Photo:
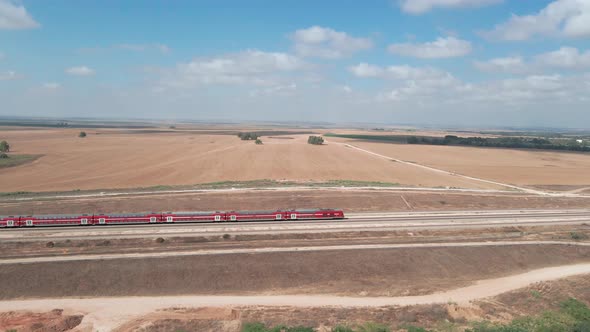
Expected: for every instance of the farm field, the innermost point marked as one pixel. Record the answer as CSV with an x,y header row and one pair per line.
x,y
543,169
123,159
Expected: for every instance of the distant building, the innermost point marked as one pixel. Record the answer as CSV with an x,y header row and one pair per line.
x,y
580,141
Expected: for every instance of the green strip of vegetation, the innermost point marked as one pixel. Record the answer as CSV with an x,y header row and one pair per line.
x,y
572,316
495,142
12,160
264,183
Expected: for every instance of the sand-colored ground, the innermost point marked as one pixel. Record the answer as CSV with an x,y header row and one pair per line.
x,y
546,169
115,159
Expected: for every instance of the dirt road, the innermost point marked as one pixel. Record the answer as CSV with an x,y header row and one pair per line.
x,y
30,260
105,314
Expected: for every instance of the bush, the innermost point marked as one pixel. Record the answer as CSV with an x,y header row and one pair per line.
x,y
340,328
258,141
4,146
160,240
315,140
82,134
578,236
3,155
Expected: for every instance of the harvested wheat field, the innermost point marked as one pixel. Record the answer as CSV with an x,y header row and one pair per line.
x,y
544,169
124,159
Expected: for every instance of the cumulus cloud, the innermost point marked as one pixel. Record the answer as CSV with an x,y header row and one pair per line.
x,y
327,43
8,76
563,18
403,72
80,71
251,67
15,17
51,85
164,49
513,64
422,6
565,58
440,48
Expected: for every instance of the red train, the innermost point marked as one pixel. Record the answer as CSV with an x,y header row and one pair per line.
x,y
167,217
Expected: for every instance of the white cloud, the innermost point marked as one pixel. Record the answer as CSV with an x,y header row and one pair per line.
x,y
15,17
276,90
366,70
422,6
565,18
513,64
80,71
403,72
8,76
251,67
51,85
164,49
440,48
565,57
327,43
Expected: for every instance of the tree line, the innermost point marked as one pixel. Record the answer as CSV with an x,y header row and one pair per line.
x,y
497,142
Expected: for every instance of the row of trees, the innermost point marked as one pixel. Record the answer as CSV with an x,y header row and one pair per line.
x,y
248,136
501,142
315,140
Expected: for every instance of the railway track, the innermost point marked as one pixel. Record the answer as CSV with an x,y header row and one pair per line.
x,y
355,222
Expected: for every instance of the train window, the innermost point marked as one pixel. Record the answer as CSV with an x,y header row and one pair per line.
x,y
84,221
10,223
152,219
217,218
278,216
101,220
232,218
29,222
169,219
293,216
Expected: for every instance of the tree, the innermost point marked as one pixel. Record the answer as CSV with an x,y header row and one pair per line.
x,y
315,140
258,141
4,146
82,134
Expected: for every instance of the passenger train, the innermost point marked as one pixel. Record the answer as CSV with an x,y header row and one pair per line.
x,y
167,217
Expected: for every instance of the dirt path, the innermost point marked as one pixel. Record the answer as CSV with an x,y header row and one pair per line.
x,y
31,260
105,314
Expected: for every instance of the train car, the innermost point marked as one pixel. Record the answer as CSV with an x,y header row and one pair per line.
x,y
171,217
285,215
55,220
9,221
255,215
313,214
127,218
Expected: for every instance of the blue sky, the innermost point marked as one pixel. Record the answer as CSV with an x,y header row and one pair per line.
x,y
434,62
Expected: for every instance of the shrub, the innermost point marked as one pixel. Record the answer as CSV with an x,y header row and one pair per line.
x,y
82,134
258,141
340,328
578,236
3,155
160,240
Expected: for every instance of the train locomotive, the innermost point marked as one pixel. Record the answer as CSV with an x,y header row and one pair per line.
x,y
166,217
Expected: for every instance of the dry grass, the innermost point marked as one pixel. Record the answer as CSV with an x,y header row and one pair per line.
x,y
114,160
560,170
